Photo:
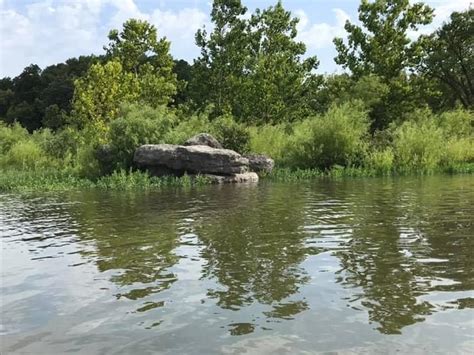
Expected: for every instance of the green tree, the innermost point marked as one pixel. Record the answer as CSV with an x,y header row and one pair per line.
x,y
382,46
98,95
278,78
449,57
140,52
218,70
253,68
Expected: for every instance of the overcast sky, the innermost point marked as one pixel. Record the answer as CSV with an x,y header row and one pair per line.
x,y
46,32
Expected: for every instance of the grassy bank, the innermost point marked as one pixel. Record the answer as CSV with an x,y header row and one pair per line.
x,y
11,180
15,181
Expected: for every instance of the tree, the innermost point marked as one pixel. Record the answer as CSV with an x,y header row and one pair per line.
x,y
140,52
252,68
183,71
382,46
138,69
449,57
98,95
219,68
278,79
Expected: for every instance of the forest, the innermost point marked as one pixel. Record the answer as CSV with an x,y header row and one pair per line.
x,y
400,105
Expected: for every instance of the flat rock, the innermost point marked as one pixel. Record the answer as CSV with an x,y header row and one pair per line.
x,y
204,139
260,163
192,159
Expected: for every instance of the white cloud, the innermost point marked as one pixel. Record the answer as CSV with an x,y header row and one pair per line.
x,y
47,31
50,31
320,35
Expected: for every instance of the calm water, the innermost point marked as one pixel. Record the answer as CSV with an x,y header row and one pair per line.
x,y
350,266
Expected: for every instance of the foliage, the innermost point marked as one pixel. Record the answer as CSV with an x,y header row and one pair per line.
x,y
38,98
457,123
449,56
381,161
335,138
404,106
418,144
136,126
253,68
382,46
230,134
98,95
270,140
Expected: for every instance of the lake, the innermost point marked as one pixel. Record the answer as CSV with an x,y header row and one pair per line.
x,y
340,266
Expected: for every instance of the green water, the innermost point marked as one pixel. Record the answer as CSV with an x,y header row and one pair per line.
x,y
348,266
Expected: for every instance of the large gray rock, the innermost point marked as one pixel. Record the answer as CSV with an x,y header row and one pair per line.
x,y
260,163
204,139
190,159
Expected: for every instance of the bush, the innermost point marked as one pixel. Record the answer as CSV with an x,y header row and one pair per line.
x,y
188,127
381,161
418,145
270,140
61,145
230,134
137,126
339,137
9,135
457,123
460,150
26,155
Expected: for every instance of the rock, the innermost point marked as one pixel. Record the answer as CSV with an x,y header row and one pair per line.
x,y
260,163
192,159
204,139
235,178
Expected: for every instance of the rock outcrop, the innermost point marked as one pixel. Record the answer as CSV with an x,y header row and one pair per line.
x,y
190,159
204,139
201,155
260,163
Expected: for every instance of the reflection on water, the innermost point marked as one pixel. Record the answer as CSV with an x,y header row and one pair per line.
x,y
326,265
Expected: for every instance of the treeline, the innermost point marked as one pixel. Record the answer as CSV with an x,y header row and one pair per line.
x,y
401,104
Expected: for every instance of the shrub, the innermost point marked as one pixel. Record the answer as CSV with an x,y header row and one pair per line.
x,y
418,145
335,138
26,155
231,134
381,161
188,127
61,145
458,150
9,135
457,123
270,140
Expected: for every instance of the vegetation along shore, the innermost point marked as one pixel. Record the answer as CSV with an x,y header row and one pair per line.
x,y
401,105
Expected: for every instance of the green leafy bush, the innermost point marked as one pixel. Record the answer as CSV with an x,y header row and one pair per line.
x,y
230,134
9,135
418,145
457,123
270,140
137,126
188,127
338,137
381,161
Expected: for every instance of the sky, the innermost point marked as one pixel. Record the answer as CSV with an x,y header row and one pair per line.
x,y
46,32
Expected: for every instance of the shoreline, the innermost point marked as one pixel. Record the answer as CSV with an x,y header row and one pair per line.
x,y
38,181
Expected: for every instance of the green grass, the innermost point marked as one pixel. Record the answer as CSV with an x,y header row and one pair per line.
x,y
293,175
24,180
11,180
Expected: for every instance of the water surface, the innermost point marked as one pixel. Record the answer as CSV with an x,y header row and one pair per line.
x,y
348,266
